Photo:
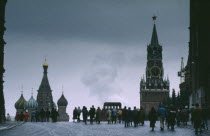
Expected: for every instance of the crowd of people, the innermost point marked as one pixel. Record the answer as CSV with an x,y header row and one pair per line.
x,y
168,116
38,115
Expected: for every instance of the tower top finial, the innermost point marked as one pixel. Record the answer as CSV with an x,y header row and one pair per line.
x,y
154,40
21,89
32,92
154,18
62,89
45,63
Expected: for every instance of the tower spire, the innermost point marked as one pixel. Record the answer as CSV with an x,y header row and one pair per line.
x,y
32,92
154,40
21,89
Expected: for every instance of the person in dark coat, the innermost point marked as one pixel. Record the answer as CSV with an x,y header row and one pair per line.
x,y
125,116
197,118
185,115
47,113
141,116
85,114
92,114
130,116
37,115
123,113
78,114
33,115
135,117
75,114
172,117
152,118
98,115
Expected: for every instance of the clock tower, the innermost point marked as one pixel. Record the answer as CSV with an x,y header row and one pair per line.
x,y
154,88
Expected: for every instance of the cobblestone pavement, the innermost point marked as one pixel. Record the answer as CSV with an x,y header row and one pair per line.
x,y
80,129
9,124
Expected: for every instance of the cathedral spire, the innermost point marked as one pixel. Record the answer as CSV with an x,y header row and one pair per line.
x,y
154,40
45,83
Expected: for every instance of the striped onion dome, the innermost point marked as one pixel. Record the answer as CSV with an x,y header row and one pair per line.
x,y
62,101
31,103
21,103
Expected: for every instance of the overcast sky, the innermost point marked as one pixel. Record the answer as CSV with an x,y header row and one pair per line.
x,y
96,49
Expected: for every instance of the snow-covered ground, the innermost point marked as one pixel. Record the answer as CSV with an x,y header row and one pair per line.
x,y
80,129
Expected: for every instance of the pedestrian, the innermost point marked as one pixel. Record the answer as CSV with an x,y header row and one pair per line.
x,y
130,116
197,118
205,117
178,117
123,113
78,114
33,115
75,114
152,117
114,115
166,116
98,115
84,114
8,118
141,116
37,115
126,116
162,115
17,116
109,115
191,110
47,113
92,114
22,116
119,113
135,116
185,115
26,115
171,118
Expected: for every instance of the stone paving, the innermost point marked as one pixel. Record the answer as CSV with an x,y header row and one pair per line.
x,y
9,125
80,129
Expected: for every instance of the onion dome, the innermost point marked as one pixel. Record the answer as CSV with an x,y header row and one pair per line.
x,y
21,103
31,103
62,101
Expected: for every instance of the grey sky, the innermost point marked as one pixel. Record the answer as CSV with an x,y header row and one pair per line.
x,y
96,49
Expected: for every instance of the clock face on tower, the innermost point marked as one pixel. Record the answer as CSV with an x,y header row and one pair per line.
x,y
155,71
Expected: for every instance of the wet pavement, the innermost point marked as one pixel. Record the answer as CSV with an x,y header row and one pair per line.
x,y
103,129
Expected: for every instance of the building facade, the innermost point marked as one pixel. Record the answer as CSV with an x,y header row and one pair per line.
x,y
199,53
154,88
2,70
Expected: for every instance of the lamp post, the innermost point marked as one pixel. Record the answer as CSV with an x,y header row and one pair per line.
x,y
2,70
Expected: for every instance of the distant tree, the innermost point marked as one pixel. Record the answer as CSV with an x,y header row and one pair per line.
x,y
173,99
178,100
